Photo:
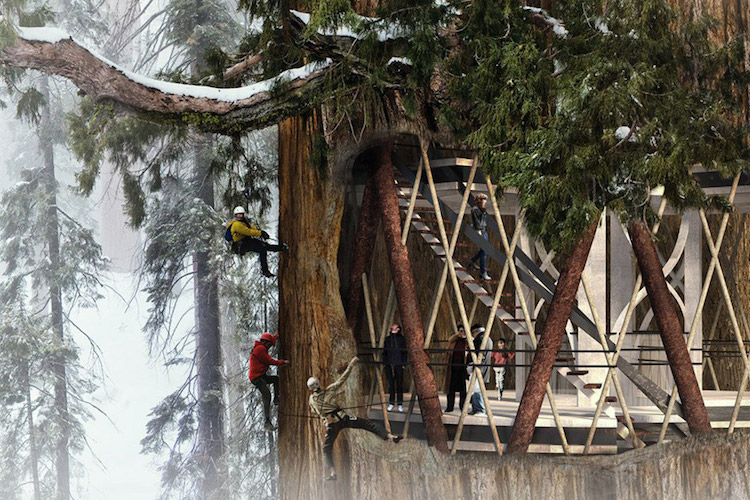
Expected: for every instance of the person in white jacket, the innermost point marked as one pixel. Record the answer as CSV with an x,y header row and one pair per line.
x,y
477,401
324,403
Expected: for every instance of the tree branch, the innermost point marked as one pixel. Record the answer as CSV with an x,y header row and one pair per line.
x,y
251,107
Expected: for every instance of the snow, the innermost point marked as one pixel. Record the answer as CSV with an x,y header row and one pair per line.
x,y
46,34
54,35
383,33
622,132
402,60
602,26
557,25
132,386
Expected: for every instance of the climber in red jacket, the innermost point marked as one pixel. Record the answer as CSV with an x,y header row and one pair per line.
x,y
260,361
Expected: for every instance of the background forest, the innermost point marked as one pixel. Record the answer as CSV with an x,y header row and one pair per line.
x,y
99,393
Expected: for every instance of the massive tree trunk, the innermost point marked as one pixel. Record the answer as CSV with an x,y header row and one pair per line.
x,y
669,327
314,332
62,416
364,244
549,343
411,317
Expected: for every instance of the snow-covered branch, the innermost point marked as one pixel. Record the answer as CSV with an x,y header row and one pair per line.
x,y
254,106
558,28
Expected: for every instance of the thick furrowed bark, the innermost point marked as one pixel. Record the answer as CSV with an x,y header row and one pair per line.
x,y
364,245
411,318
549,344
313,330
665,313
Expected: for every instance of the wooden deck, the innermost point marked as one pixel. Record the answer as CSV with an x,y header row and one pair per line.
x,y
576,421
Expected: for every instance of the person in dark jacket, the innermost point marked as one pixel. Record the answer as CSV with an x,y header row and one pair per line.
x,y
456,374
479,223
260,362
394,359
248,238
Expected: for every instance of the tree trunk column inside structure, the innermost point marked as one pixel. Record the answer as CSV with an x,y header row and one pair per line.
x,y
411,318
364,243
669,326
549,344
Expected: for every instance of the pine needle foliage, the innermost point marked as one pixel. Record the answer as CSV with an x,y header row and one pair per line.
x,y
621,100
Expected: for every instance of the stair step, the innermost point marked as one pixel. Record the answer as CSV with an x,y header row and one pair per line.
x,y
433,231
421,210
592,386
458,245
565,360
489,282
431,220
610,399
408,196
578,372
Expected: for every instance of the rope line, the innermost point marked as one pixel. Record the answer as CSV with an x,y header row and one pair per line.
x,y
374,403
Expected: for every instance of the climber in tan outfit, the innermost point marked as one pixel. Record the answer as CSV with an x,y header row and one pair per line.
x,y
324,403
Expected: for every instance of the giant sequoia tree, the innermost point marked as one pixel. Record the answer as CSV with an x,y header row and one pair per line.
x,y
546,106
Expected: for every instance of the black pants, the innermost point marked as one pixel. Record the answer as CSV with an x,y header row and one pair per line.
x,y
260,247
262,384
457,384
332,432
395,376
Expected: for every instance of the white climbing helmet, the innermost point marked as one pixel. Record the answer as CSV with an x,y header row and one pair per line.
x,y
313,384
239,210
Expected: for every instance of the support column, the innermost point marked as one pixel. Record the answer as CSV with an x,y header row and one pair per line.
x,y
411,318
620,287
596,272
526,244
364,244
693,281
669,325
549,343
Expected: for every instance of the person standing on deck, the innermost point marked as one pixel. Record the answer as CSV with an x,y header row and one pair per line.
x,y
477,401
324,404
479,223
499,359
456,375
394,360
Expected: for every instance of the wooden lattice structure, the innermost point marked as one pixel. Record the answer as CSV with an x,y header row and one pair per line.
x,y
619,391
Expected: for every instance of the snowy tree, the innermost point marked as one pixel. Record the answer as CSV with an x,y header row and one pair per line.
x,y
345,78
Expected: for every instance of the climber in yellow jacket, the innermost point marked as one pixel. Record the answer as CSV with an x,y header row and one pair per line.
x,y
246,237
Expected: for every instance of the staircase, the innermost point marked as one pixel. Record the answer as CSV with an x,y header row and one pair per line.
x,y
424,223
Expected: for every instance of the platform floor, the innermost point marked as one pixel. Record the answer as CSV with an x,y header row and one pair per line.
x,y
576,420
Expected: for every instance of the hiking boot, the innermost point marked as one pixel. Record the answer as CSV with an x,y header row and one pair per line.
x,y
390,407
474,265
486,277
401,408
396,439
268,426
331,477
268,274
